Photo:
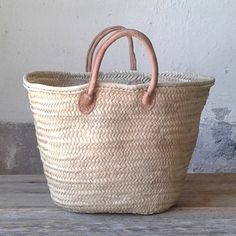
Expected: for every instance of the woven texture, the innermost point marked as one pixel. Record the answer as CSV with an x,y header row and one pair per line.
x,y
119,158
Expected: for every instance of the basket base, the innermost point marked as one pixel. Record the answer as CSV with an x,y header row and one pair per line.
x,y
128,210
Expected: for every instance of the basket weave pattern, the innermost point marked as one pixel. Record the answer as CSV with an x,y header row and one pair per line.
x,y
120,158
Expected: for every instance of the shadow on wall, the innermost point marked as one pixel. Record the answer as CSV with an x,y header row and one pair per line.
x,y
216,145
18,149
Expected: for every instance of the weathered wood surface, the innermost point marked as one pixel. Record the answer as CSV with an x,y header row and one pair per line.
x,y
206,207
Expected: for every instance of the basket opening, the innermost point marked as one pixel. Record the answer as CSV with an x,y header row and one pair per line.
x,y
63,79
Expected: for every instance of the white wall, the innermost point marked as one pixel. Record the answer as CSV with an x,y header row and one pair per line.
x,y
188,35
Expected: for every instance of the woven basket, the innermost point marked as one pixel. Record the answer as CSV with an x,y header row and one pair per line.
x,y
117,142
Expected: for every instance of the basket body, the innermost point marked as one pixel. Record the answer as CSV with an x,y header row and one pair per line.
x,y
120,158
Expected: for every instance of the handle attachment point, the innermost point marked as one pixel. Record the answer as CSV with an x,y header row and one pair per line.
x,y
86,103
147,101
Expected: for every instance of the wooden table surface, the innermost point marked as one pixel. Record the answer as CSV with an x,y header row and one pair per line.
x,y
206,207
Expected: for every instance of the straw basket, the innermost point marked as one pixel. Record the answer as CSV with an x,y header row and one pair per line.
x,y
117,142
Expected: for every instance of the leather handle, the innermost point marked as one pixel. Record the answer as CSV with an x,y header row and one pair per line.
x,y
87,99
99,37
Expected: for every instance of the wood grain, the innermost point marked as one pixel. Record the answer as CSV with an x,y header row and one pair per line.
x,y
206,207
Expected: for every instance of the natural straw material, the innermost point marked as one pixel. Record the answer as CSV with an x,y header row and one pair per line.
x,y
119,158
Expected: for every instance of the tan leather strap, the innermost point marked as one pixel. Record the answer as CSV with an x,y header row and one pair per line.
x,y
97,40
87,100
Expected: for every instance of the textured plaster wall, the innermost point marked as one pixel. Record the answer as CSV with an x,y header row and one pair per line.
x,y
188,35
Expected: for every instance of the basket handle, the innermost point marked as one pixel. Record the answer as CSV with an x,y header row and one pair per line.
x,y
99,37
87,99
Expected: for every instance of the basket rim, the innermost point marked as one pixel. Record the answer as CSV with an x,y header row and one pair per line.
x,y
185,80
